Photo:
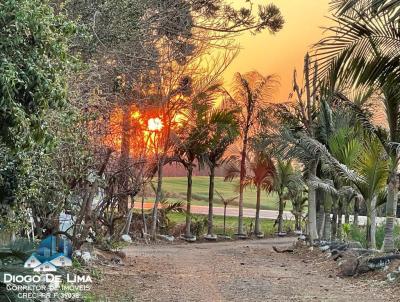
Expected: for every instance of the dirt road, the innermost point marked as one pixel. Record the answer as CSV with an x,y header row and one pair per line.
x,y
230,271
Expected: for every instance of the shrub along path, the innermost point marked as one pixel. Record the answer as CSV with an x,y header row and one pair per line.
x,y
230,271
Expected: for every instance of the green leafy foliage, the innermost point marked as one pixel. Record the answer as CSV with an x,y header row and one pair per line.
x,y
34,66
359,234
198,225
34,62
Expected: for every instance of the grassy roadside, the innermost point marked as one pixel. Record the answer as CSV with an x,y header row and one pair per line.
x,y
267,225
175,188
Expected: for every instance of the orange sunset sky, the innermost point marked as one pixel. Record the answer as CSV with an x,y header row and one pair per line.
x,y
281,53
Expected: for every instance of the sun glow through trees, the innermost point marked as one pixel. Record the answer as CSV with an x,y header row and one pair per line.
x,y
144,129
155,124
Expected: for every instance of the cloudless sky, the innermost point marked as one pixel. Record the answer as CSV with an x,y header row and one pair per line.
x,y
281,53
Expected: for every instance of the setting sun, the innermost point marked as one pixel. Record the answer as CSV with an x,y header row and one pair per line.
x,y
155,124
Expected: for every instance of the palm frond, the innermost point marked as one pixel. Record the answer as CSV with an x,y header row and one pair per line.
x,y
325,125
344,146
363,117
362,47
342,7
374,168
226,201
335,166
170,207
348,192
325,185
232,169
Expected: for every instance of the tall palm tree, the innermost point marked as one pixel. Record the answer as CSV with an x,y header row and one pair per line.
x,y
223,130
346,147
287,182
260,173
251,92
296,121
390,99
374,169
368,174
187,151
190,141
363,49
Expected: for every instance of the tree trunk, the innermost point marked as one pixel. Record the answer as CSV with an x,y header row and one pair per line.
x,y
225,219
124,161
340,217
320,213
334,217
356,211
327,223
158,197
241,184
368,237
297,218
143,216
258,204
188,234
371,225
327,227
280,215
211,200
346,204
312,210
391,210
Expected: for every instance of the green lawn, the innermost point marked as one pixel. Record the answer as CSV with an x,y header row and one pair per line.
x,y
267,225
175,188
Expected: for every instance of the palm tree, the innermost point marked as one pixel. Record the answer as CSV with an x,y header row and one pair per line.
x,y
222,130
260,173
390,99
346,147
191,139
251,93
225,202
299,202
363,49
368,173
373,167
186,153
340,129
286,183
296,122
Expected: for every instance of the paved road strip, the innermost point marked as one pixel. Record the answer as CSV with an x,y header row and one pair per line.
x,y
265,214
